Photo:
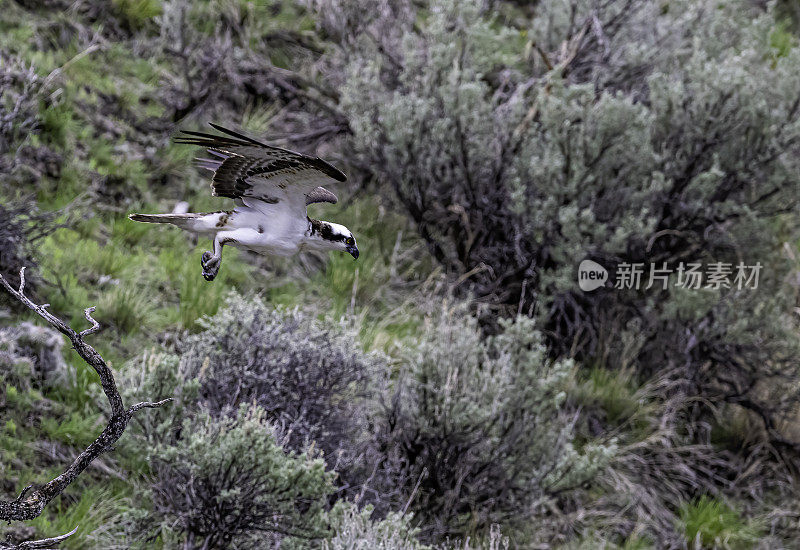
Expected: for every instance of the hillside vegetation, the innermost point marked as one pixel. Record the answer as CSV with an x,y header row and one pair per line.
x,y
454,387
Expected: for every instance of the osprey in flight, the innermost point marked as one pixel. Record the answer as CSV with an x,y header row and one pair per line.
x,y
271,188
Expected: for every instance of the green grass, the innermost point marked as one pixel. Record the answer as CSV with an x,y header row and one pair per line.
x,y
78,428
198,297
782,39
735,428
104,260
83,389
615,393
137,13
637,543
594,541
127,308
59,124
259,18
710,523
142,278
89,509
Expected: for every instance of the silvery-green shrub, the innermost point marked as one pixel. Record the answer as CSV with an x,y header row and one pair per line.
x,y
624,132
355,529
475,431
311,378
467,431
227,482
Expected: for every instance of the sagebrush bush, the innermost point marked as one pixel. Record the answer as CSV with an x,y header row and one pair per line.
x,y
628,132
228,482
41,349
474,430
21,226
354,529
20,94
311,378
470,432
24,97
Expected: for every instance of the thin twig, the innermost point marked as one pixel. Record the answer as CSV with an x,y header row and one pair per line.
x,y
148,405
95,325
59,70
422,474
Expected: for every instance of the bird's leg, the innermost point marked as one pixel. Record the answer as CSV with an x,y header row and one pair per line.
x,y
209,272
211,262
242,236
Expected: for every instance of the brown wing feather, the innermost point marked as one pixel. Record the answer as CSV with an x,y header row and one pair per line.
x,y
242,165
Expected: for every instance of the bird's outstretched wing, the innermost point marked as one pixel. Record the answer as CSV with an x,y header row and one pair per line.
x,y
246,168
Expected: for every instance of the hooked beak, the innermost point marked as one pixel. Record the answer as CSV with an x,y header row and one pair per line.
x,y
353,250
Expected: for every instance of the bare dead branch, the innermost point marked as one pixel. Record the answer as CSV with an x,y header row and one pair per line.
x,y
148,405
21,280
42,544
24,491
31,501
95,325
544,56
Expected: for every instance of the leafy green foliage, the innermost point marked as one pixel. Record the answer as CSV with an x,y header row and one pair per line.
x,y
79,508
137,12
614,393
78,429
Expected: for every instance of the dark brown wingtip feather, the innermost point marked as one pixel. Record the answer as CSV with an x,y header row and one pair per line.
x,y
202,139
337,174
328,169
208,140
237,135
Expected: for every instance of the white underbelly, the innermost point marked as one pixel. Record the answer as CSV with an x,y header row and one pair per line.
x,y
267,233
269,249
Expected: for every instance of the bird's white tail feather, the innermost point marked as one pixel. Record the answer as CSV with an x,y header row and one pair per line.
x,y
181,220
202,223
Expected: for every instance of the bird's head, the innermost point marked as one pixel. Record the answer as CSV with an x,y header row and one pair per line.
x,y
333,236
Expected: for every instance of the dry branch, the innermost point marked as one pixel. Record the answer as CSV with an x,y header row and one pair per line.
x,y
30,503
43,544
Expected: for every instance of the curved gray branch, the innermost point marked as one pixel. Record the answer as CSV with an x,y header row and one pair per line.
x,y
30,503
148,405
42,544
95,325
